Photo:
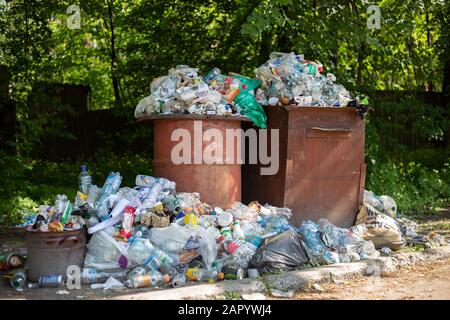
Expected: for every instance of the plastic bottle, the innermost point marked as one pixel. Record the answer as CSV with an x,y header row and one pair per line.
x,y
178,280
166,260
152,264
241,253
190,219
149,181
60,202
110,187
93,193
84,180
92,275
18,279
238,234
150,279
214,74
226,233
197,274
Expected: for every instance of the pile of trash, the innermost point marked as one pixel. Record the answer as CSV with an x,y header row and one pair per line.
x,y
184,91
168,238
379,222
285,79
150,235
289,79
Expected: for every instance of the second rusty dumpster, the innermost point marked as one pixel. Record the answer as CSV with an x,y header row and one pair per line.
x,y
321,164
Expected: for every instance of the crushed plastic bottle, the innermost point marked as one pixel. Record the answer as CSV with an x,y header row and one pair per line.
x,y
197,274
150,279
110,187
178,280
92,275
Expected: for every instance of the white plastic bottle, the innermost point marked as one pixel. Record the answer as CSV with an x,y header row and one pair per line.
x,y
238,234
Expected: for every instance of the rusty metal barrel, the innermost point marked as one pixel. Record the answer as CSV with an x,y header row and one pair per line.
x,y
195,152
50,253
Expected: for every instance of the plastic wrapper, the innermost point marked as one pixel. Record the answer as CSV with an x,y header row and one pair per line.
x,y
242,212
284,251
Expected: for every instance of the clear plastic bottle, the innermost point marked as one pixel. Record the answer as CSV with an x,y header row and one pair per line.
x,y
60,202
241,253
178,280
149,279
197,274
93,193
92,275
84,180
110,187
152,264
140,270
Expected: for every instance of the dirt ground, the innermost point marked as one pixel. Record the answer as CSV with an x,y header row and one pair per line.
x,y
425,280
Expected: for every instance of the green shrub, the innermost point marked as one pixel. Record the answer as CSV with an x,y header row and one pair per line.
x,y
413,186
26,184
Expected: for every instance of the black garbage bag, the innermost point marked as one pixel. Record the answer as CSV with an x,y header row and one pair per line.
x,y
284,252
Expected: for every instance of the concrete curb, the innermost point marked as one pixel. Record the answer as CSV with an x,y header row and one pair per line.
x,y
295,280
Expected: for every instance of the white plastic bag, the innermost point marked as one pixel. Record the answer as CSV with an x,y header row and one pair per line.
x,y
208,247
103,252
172,238
139,251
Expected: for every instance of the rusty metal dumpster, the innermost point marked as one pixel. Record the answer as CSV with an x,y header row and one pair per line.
x,y
50,253
322,170
217,178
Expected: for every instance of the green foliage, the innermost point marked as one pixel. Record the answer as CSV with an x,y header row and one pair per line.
x,y
27,184
407,53
413,186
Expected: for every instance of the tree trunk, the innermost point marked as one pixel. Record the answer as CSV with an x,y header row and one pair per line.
x,y
429,83
115,81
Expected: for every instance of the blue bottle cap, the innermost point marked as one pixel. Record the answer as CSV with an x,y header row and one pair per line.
x,y
83,167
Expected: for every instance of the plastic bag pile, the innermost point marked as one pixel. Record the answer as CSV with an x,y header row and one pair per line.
x,y
289,79
184,91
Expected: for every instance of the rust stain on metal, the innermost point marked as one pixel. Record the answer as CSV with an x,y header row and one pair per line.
x,y
219,183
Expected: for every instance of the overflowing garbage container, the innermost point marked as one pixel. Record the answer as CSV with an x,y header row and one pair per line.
x,y
188,224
